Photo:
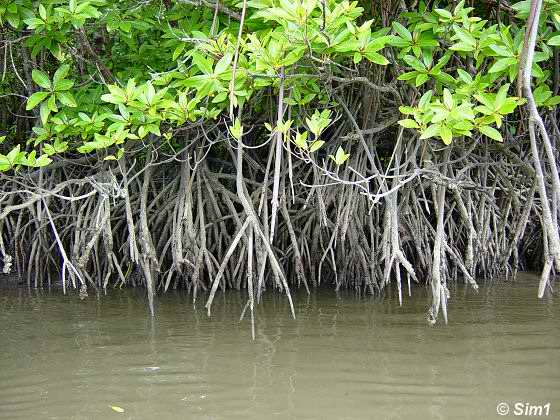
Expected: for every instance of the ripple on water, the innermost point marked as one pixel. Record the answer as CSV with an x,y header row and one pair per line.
x,y
342,358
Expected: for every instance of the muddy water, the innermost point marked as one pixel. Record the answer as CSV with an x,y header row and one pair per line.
x,y
344,357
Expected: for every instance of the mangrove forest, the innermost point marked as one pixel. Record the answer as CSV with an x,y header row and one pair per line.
x,y
279,146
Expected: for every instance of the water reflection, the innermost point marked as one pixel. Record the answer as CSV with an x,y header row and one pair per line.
x,y
344,357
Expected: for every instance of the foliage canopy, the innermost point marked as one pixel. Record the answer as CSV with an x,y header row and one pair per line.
x,y
154,67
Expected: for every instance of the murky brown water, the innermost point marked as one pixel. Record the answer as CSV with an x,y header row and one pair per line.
x,y
343,358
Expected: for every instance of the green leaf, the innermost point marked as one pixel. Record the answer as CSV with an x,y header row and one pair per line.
x,y
444,13
13,20
42,12
63,84
414,63
45,112
154,129
509,105
402,31
318,122
201,62
67,99
108,97
5,164
223,64
13,155
316,145
409,123
491,132
340,157
293,56
36,99
51,103
61,73
236,130
465,36
464,76
41,79
465,111
553,101
100,142
502,51
43,160
408,76
178,51
462,46
541,94
445,134
484,99
431,131
12,7
421,79
301,140
34,23
447,99
289,101
554,41
397,41
220,97
377,58
406,110
501,96
30,159
502,64
425,99
150,92
57,147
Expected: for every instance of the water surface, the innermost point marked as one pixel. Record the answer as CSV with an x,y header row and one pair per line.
x,y
344,357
